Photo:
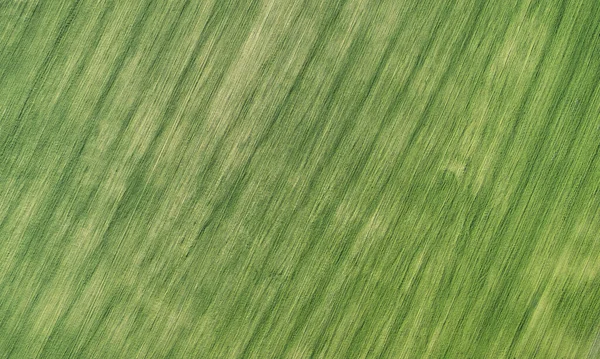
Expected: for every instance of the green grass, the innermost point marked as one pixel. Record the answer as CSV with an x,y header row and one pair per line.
x,y
294,179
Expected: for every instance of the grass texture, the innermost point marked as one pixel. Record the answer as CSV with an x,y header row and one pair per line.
x,y
299,178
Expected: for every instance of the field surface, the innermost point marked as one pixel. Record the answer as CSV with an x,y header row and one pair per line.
x,y
299,179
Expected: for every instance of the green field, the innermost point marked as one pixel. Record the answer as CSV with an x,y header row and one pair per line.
x,y
299,179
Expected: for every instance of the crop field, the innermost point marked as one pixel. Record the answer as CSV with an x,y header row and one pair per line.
x,y
299,179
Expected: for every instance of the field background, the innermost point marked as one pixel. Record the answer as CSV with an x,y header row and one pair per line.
x,y
299,178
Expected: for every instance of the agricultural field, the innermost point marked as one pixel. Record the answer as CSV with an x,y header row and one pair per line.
x,y
299,179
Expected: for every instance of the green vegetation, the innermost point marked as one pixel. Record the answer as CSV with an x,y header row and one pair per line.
x,y
295,179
